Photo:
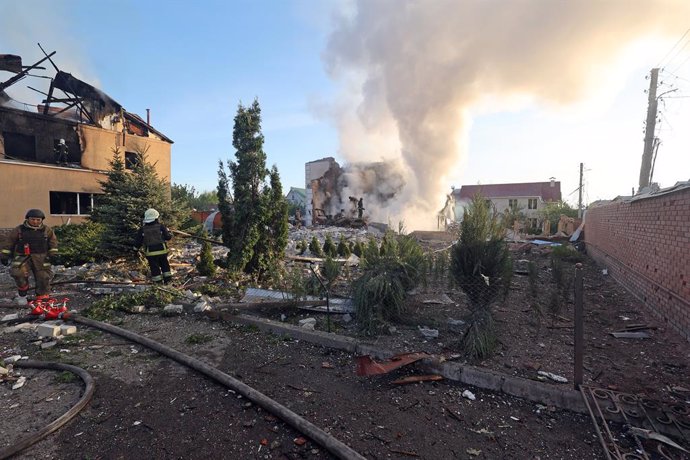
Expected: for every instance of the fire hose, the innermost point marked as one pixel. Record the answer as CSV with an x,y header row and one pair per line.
x,y
331,444
64,418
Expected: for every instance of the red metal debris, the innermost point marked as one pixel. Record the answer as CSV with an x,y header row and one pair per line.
x,y
367,366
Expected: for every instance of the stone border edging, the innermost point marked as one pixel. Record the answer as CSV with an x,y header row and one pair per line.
x,y
486,379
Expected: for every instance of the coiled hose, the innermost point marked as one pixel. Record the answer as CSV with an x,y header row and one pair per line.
x,y
331,444
64,418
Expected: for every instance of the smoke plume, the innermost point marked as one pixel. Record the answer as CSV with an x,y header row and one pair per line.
x,y
415,70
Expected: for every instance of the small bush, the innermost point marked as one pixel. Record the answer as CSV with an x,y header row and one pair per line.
x,y
330,270
358,249
343,248
567,254
205,266
302,247
78,244
65,377
315,247
329,248
197,339
150,298
380,292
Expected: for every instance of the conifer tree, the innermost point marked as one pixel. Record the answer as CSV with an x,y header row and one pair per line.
x,y
315,247
255,222
205,266
126,195
343,248
329,247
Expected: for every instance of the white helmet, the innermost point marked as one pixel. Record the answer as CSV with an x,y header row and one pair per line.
x,y
150,215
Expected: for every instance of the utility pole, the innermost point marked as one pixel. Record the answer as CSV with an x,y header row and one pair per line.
x,y
579,201
646,167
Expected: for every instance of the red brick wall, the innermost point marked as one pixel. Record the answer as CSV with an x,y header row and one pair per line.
x,y
645,244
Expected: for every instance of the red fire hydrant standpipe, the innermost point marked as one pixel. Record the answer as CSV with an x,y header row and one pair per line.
x,y
331,444
64,418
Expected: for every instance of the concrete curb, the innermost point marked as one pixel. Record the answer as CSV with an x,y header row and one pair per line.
x,y
530,390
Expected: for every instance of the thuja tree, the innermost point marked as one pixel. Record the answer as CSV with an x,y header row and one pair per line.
x,y
255,221
126,195
480,264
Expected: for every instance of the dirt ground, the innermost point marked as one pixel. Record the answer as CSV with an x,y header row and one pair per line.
x,y
147,406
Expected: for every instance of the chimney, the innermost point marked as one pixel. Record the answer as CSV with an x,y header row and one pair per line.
x,y
148,117
553,181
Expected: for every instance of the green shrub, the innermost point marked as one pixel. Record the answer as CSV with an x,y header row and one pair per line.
x,y
343,248
330,270
381,290
150,298
205,266
481,265
78,244
315,247
567,254
358,249
329,248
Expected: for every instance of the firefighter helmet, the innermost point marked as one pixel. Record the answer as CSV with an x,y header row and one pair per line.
x,y
35,213
150,215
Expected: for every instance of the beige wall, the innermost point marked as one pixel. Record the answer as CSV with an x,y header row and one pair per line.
x,y
28,185
98,145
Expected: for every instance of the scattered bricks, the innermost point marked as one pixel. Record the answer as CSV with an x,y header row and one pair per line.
x,y
50,344
3,371
10,317
48,330
137,309
68,329
12,359
201,307
171,309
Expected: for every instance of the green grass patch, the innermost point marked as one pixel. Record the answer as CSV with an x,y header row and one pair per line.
x,y
197,339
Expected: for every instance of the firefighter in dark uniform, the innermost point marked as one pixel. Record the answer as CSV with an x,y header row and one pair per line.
x,y
152,236
28,247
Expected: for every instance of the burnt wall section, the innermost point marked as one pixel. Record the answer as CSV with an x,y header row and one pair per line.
x,y
645,244
31,136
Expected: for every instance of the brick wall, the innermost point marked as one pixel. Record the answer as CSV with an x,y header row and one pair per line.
x,y
645,244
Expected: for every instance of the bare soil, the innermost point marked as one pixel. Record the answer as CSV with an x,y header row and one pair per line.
x,y
147,406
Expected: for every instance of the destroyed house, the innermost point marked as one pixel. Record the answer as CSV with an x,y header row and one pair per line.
x,y
54,154
528,197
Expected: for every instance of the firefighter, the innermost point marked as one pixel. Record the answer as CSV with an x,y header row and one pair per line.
x,y
28,247
152,236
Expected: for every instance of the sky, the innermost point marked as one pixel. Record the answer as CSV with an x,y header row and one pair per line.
x,y
448,92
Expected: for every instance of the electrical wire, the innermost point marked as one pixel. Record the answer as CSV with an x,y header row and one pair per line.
x,y
673,47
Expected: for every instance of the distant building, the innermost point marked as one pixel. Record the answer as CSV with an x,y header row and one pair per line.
x,y
528,197
297,196
53,157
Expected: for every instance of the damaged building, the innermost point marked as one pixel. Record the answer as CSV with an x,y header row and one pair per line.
x,y
348,195
54,154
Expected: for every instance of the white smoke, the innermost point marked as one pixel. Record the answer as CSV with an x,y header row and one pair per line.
x,y
25,24
413,71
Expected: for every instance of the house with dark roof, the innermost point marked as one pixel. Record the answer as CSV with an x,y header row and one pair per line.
x,y
528,197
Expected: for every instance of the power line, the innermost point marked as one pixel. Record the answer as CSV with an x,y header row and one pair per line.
x,y
682,63
674,47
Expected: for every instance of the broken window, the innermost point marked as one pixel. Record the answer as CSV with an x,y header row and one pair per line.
x,y
132,160
72,203
532,203
20,146
512,203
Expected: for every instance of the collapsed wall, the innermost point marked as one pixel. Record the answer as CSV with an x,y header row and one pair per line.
x,y
644,242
